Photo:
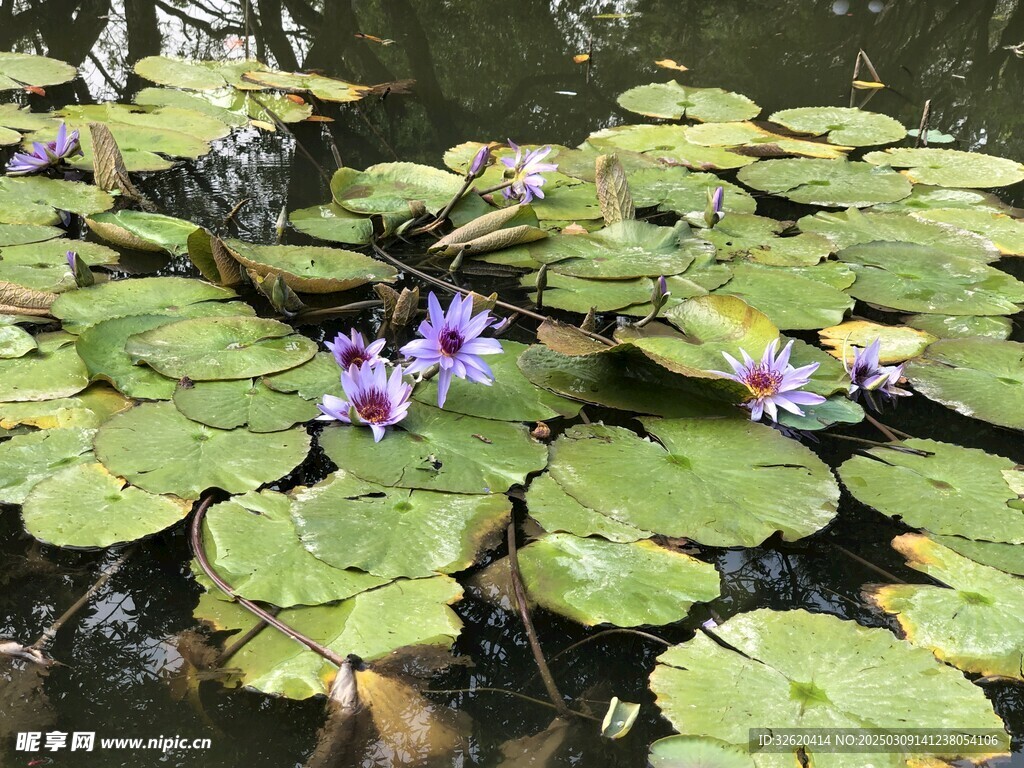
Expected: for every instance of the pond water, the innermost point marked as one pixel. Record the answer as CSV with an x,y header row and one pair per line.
x,y
482,70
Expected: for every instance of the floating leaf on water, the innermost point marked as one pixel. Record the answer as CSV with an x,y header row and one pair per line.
x,y
14,120
695,281
87,409
253,542
21,234
791,297
838,409
973,623
158,449
325,88
949,167
924,197
997,554
694,752
87,506
27,459
18,70
851,227
674,101
244,402
804,670
671,64
510,398
143,231
758,142
594,581
336,224
756,238
141,296
230,106
44,266
828,183
960,326
1007,233
719,482
348,523
372,625
311,269
15,342
667,144
195,75
558,512
898,343
52,370
842,125
394,188
219,348
36,199
578,294
311,380
978,377
440,451
956,491
919,278
678,190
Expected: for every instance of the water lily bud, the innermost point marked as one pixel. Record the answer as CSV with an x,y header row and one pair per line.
x,y
713,212
660,293
480,163
83,275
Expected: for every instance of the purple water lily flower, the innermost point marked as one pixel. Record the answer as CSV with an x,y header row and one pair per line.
x,y
353,350
773,382
869,377
450,341
374,399
45,155
526,172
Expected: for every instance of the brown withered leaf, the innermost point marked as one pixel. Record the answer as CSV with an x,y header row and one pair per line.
x,y
18,300
108,165
567,339
613,190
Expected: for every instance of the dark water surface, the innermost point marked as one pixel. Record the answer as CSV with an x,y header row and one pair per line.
x,y
483,70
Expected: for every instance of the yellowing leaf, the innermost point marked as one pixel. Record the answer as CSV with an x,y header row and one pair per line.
x,y
671,64
580,58
264,125
867,85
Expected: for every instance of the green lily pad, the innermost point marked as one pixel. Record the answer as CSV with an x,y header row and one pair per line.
x,y
230,404
144,231
680,191
897,342
158,449
86,506
312,380
18,70
21,234
837,409
53,370
439,451
667,144
195,75
141,296
924,197
758,142
719,482
254,545
619,378
44,266
15,120
87,409
232,107
36,199
1006,557
579,294
674,101
961,326
804,670
558,512
756,238
696,281
956,491
372,625
978,377
851,227
692,752
790,296
510,398
949,167
572,576
625,249
828,183
842,125
348,523
975,624
336,224
1006,232
27,459
15,342
324,88
391,188
919,278
219,348
311,269
567,202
